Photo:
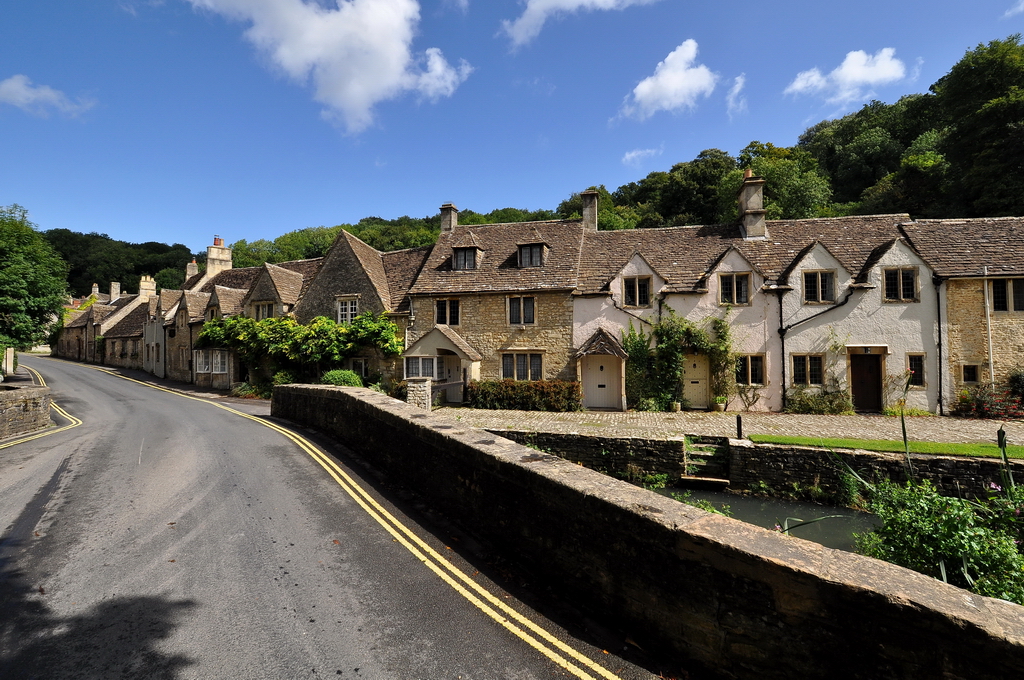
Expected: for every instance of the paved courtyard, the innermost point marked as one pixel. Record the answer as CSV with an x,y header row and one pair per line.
x,y
663,425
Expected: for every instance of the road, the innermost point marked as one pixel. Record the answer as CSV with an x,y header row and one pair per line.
x,y
173,537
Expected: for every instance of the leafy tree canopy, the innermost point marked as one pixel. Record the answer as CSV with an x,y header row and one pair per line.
x,y
33,287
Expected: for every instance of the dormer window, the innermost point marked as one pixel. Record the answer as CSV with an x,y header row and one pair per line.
x,y
819,287
531,255
464,258
637,291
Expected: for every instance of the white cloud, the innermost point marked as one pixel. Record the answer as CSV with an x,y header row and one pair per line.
x,y
734,102
677,83
634,157
853,79
529,24
1016,9
357,53
19,91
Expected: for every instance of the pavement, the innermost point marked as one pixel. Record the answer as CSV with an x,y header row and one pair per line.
x,y
655,425
651,425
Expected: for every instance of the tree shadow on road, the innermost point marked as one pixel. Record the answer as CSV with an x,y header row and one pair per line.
x,y
118,637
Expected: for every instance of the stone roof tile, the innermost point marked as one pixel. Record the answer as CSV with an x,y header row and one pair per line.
x,y
964,247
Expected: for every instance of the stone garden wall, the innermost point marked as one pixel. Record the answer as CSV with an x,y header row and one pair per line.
x,y
704,589
23,409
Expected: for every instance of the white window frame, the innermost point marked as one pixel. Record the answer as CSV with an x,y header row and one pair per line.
x,y
220,361
359,366
421,365
346,309
202,360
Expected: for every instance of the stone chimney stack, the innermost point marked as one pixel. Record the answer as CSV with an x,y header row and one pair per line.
x,y
449,217
147,287
218,257
115,290
96,290
191,269
590,199
752,212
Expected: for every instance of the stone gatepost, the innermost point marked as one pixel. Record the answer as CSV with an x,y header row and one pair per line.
x,y
9,361
419,390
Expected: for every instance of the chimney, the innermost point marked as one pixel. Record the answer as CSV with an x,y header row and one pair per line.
x,y
449,217
751,200
96,290
218,257
115,290
147,287
191,269
590,199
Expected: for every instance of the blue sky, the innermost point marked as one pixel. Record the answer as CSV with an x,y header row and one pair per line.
x,y
174,120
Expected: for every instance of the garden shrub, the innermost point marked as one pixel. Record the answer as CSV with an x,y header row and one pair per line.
x,y
1015,382
284,378
981,401
524,395
822,401
341,377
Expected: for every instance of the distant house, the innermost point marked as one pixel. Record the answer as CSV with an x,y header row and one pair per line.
x,y
355,278
495,301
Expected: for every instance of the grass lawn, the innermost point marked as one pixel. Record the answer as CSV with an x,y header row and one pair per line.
x,y
937,448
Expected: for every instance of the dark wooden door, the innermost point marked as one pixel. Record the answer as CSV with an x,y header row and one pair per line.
x,y
866,381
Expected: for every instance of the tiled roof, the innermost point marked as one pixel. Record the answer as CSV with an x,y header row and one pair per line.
x,y
401,268
131,325
195,303
498,269
288,283
228,299
459,341
193,281
168,301
602,342
372,262
963,247
685,255
241,278
307,268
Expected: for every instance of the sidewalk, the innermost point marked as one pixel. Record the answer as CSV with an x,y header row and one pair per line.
x,y
663,425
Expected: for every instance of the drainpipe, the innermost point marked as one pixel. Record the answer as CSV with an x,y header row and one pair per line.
x,y
937,282
988,329
782,338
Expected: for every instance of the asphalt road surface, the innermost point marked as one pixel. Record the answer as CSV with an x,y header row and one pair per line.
x,y
167,536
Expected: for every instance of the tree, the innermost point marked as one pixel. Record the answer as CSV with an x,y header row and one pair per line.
x,y
33,281
794,188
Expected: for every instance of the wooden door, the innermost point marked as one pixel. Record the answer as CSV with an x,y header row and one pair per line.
x,y
695,381
602,385
866,381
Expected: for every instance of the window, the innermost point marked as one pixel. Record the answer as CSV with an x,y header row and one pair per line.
x,y
915,364
637,291
419,367
521,367
901,285
819,287
808,369
1008,294
263,310
521,310
750,369
347,309
531,255
735,289
203,361
359,367
970,373
464,258
448,312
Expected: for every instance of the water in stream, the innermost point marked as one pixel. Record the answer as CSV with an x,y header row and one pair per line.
x,y
767,512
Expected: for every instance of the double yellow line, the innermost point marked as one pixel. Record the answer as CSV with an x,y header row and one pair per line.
x,y
519,625
72,421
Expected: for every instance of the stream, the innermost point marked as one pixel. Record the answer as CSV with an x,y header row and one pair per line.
x,y
767,512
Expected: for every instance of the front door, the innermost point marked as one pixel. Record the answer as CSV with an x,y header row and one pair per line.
x,y
602,385
866,381
695,381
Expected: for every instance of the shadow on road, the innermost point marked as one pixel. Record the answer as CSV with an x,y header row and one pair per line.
x,y
116,638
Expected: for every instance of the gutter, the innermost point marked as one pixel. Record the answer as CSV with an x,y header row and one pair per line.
x,y
937,281
988,329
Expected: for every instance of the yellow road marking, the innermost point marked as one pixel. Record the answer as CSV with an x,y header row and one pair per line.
x,y
540,639
74,422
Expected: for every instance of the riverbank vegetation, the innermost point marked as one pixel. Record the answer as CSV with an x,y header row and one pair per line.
x,y
933,448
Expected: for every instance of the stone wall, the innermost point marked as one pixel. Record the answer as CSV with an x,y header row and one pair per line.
x,y
483,323
700,588
611,455
968,333
780,467
23,409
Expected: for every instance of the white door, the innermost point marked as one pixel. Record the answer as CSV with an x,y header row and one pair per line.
x,y
695,381
602,384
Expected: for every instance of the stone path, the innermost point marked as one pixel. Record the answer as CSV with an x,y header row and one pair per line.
x,y
663,425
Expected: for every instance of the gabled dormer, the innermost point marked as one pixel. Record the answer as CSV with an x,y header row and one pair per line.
x,y
467,253
532,251
636,284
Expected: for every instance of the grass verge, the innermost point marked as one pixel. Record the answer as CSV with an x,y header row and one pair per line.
x,y
936,448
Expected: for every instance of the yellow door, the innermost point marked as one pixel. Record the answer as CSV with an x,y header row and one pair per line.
x,y
695,381
602,385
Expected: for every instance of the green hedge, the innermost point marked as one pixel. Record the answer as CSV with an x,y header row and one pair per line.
x,y
523,395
